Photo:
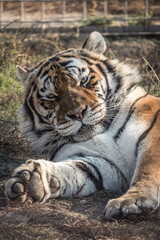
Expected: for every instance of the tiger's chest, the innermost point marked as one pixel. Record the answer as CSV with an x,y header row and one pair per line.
x,y
119,150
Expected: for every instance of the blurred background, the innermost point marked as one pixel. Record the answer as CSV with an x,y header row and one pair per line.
x,y
138,15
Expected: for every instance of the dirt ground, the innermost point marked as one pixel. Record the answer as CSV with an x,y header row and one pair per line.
x,y
72,219
75,218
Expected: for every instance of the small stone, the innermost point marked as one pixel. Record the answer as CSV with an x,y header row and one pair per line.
x,y
83,201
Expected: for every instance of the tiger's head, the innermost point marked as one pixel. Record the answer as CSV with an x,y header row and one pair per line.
x,y
65,95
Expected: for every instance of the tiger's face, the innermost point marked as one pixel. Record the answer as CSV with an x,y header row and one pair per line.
x,y
67,92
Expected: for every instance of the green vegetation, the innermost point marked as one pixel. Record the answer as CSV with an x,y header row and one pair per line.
x,y
140,20
98,21
9,85
14,49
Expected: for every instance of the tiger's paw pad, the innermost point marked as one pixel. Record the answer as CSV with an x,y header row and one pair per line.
x,y
129,207
25,184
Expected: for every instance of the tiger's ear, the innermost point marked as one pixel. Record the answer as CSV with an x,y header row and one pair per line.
x,y
95,43
22,73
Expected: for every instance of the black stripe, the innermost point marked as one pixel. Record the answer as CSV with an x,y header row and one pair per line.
x,y
45,73
92,77
119,83
75,67
39,72
51,143
109,67
96,107
37,66
46,80
30,114
102,88
57,149
35,87
113,165
42,132
87,60
131,111
118,79
80,154
46,63
84,54
94,84
118,171
54,58
142,137
84,45
100,185
64,64
38,94
101,96
84,168
92,69
41,120
119,132
71,78
132,86
67,56
44,66
101,69
96,90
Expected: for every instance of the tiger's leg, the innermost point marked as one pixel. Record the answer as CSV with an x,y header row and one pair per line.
x,y
144,193
38,180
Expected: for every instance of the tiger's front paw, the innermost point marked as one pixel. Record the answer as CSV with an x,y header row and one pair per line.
x,y
29,182
130,206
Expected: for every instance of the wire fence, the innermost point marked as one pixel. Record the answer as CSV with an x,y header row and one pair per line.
x,y
66,16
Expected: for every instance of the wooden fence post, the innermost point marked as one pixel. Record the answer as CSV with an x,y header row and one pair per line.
x,y
126,11
64,12
22,14
1,13
84,10
146,15
105,8
43,15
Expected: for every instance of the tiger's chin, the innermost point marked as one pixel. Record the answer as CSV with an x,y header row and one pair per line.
x,y
68,129
79,131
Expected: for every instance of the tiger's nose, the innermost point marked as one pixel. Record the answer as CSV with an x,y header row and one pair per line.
x,y
77,114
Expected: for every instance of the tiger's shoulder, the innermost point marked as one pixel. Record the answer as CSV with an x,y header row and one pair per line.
x,y
148,107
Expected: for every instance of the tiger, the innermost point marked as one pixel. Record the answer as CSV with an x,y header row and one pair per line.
x,y
99,128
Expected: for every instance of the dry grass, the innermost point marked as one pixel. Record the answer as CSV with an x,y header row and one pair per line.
x,y
71,219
